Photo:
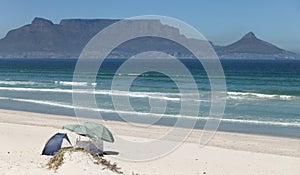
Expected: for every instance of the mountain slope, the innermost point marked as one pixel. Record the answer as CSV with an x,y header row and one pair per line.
x,y
249,46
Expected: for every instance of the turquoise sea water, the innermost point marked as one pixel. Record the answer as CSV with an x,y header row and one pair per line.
x,y
263,96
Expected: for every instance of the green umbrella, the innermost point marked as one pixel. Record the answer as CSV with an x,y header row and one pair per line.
x,y
91,130
78,129
97,131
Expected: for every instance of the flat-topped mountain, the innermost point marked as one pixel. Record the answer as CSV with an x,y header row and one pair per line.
x,y
44,39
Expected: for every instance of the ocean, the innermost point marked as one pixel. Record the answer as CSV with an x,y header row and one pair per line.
x,y
263,96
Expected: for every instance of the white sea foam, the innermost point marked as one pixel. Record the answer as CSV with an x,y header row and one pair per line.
x,y
71,83
50,103
241,95
18,82
120,74
69,106
63,83
153,95
276,123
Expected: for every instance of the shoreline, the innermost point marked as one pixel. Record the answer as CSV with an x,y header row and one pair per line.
x,y
25,134
226,127
52,120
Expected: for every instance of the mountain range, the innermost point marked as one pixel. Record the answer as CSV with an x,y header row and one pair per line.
x,y
44,39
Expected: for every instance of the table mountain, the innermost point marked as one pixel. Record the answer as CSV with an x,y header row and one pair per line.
x,y
44,39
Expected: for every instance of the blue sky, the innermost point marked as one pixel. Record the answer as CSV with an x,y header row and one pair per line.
x,y
223,21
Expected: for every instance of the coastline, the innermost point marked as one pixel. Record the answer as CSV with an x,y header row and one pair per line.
x,y
25,134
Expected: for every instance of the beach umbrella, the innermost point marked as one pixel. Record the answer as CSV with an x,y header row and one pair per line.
x,y
91,130
78,129
98,131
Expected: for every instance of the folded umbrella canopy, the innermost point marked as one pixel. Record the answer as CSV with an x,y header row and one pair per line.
x,y
91,130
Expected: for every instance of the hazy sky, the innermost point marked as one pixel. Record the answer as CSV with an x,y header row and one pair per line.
x,y
223,21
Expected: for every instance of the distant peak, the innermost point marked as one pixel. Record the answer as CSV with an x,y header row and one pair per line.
x,y
249,35
41,21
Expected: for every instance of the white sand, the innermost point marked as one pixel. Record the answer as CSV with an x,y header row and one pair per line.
x,y
23,136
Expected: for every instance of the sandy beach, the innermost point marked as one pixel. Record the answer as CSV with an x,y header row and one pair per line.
x,y
24,134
